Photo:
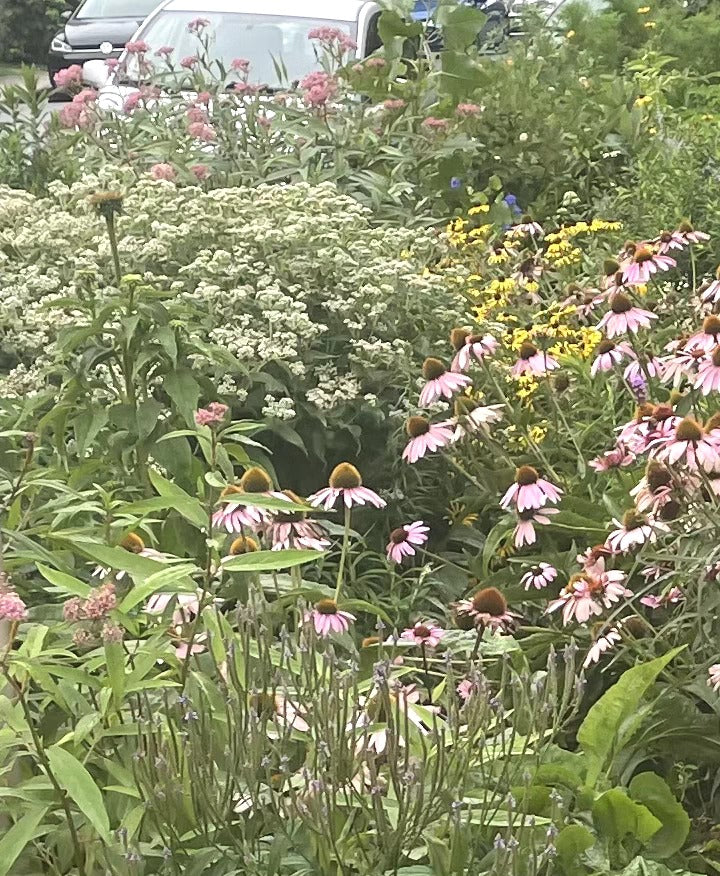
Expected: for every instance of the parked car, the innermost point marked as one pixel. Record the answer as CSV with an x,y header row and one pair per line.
x,y
96,29
494,32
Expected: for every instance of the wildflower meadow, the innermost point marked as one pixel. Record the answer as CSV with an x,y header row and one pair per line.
x,y
360,456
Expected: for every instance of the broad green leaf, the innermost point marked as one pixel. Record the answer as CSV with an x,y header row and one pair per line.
x,y
641,867
19,835
615,816
653,792
183,502
460,25
184,391
115,662
269,561
74,777
362,605
255,500
599,732
118,558
63,582
170,578
570,843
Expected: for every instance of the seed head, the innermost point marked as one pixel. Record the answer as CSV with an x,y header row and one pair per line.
x,y
133,543
345,477
490,601
433,368
417,426
255,480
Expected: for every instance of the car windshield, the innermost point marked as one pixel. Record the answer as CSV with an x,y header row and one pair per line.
x,y
116,8
278,48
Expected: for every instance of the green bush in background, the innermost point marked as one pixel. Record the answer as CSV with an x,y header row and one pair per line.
x,y
26,27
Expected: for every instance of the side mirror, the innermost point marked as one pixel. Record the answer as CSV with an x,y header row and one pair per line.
x,y
65,15
96,73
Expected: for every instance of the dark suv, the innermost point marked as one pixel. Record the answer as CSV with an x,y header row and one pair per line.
x,y
96,29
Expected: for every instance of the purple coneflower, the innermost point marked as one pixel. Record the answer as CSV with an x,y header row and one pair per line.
x,y
610,354
526,226
644,264
539,576
404,538
327,618
708,337
691,235
672,597
714,677
441,383
652,366
424,633
235,517
476,347
487,608
634,531
653,489
533,361
524,532
291,529
472,418
426,437
346,482
466,689
603,643
707,379
669,240
689,445
530,491
624,317
618,457
585,595
593,560
711,292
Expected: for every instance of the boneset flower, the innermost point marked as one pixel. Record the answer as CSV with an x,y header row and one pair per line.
x,y
404,540
530,491
624,317
327,618
441,383
346,483
426,437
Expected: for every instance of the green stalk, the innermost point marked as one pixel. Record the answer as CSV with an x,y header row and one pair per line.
x,y
343,554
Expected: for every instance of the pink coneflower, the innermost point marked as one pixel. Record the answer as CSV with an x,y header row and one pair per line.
x,y
292,530
466,689
707,379
711,292
672,597
690,234
476,347
593,560
183,649
669,240
654,488
403,706
426,437
526,227
441,383
327,618
487,608
185,606
524,532
403,538
635,530
533,361
586,595
708,337
237,516
610,354
530,491
618,457
714,677
539,576
644,264
624,317
424,633
346,483
472,419
683,363
602,644
651,366
690,445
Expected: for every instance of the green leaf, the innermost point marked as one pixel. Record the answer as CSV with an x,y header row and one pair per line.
x,y
599,734
640,867
118,558
652,791
184,391
19,835
115,662
63,582
87,425
460,25
615,816
270,561
189,507
255,500
570,843
167,579
362,605
81,788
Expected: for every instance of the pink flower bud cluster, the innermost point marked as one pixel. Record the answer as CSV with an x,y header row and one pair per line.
x,y
137,47
163,171
111,633
97,606
329,37
213,414
319,88
12,608
70,76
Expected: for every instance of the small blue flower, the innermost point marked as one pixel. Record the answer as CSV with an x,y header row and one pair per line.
x,y
455,182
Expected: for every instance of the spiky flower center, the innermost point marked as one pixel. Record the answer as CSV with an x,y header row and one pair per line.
x,y
433,368
711,324
464,406
527,514
646,409
458,337
526,475
262,703
688,430
620,303
255,480
527,350
644,254
610,267
398,536
629,247
665,236
490,601
244,544
326,606
670,510
417,426
605,347
369,641
133,543
662,412
713,422
716,357
685,227
230,490
290,516
633,519
422,632
657,476
345,477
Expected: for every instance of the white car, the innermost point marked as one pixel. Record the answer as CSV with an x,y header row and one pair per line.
x,y
271,36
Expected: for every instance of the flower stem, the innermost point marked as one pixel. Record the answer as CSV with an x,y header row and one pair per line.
x,y
343,554
110,220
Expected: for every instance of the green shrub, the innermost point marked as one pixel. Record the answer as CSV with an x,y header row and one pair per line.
x,y
26,28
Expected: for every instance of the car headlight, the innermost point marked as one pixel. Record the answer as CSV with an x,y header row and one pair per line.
x,y
58,44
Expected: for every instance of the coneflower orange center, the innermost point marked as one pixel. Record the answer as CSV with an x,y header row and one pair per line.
x,y
716,357
458,337
490,601
688,430
527,350
417,426
662,412
244,544
643,254
646,409
255,480
526,475
605,347
230,490
685,227
326,606
133,543
620,303
398,536
657,476
711,324
421,631
433,368
633,519
345,477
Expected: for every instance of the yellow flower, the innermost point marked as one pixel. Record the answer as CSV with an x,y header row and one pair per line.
x,y
479,208
570,34
498,257
537,434
650,24
532,286
643,100
643,10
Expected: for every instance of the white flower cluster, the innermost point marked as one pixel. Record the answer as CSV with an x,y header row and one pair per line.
x,y
293,281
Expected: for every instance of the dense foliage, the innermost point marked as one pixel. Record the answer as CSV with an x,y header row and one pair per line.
x,y
359,462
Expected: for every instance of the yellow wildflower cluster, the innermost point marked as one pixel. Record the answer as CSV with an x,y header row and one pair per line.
x,y
594,227
535,435
562,254
526,386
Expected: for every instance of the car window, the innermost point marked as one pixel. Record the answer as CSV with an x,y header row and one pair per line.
x,y
373,42
116,8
